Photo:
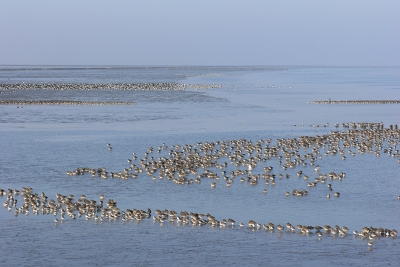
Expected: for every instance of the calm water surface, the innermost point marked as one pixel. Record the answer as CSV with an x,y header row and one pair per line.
x,y
39,144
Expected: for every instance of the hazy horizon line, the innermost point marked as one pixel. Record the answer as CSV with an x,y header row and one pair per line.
x,y
200,65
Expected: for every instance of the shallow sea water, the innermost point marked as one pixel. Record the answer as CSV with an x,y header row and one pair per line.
x,y
39,144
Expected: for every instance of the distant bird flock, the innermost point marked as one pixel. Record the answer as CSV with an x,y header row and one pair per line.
x,y
346,102
104,86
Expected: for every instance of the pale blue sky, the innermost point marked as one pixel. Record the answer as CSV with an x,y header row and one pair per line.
x,y
207,32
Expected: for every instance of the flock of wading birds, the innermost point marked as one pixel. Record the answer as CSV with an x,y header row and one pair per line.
x,y
15,87
185,161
